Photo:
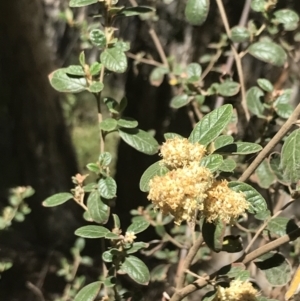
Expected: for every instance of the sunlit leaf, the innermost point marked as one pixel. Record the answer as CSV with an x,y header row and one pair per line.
x,y
196,11
268,52
140,140
136,270
57,199
290,157
89,292
211,125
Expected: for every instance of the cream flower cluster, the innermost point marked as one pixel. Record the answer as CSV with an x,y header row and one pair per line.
x,y
237,291
189,187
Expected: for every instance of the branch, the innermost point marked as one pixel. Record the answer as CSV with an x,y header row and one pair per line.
x,y
188,261
202,282
272,143
236,57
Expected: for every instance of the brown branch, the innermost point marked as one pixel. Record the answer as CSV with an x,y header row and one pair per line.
x,y
272,143
144,60
202,282
236,58
188,261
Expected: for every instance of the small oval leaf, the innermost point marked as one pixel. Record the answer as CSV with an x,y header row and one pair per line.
x,y
136,270
268,52
196,11
257,202
57,199
211,125
89,292
140,140
92,231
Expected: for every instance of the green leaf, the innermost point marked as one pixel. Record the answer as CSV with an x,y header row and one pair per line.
x,y
196,11
236,271
254,104
257,202
290,157
136,270
99,211
98,38
91,231
127,122
245,148
139,225
57,199
282,104
123,46
61,82
107,187
179,101
114,60
93,167
139,140
157,75
79,3
149,173
228,165
89,292
194,71
112,236
95,68
229,88
111,104
281,226
82,59
287,17
136,246
212,162
109,124
265,84
222,141
258,5
265,175
74,70
275,165
117,223
240,34
105,159
135,11
109,255
213,234
268,52
159,273
211,125
96,87
275,267
171,136
123,104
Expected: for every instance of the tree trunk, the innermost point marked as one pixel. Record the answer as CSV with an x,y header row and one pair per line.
x,y
35,146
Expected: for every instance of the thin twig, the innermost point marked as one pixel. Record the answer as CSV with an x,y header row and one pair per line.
x,y
236,58
188,260
272,143
210,65
144,60
35,290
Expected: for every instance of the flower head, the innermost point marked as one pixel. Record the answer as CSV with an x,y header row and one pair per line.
x,y
181,191
237,291
223,203
179,152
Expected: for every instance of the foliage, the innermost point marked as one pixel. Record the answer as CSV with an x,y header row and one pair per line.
x,y
200,181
